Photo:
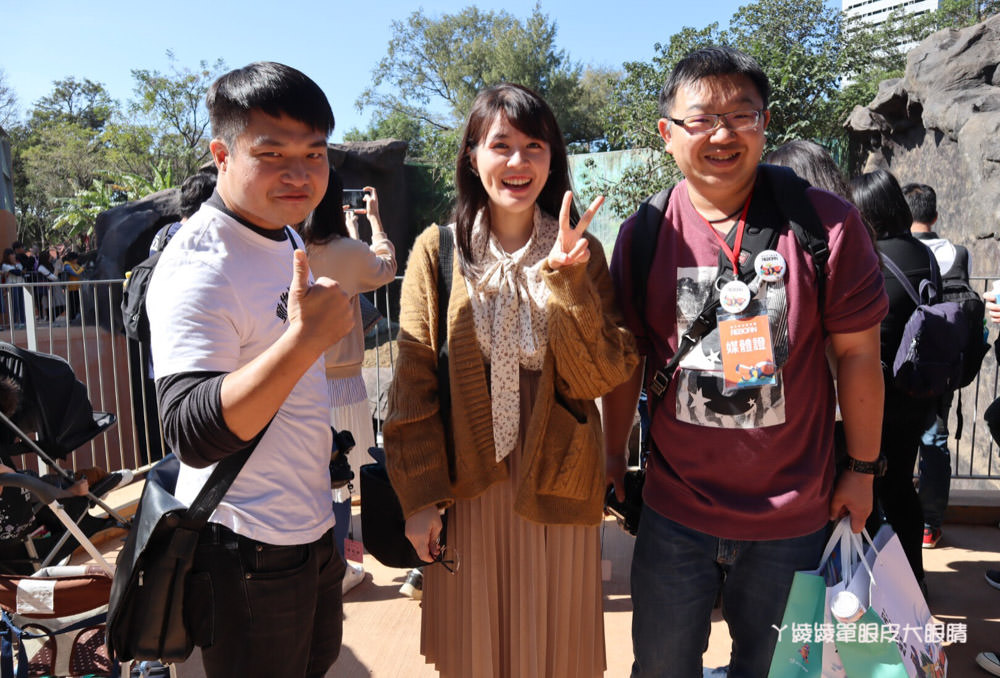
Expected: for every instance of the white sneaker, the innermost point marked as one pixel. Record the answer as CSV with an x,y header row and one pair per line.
x,y
353,575
989,662
414,584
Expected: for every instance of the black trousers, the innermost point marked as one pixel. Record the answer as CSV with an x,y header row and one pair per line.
x,y
904,421
257,609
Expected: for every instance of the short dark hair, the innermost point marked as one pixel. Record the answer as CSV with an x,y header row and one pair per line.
x,y
711,62
327,221
527,112
195,190
880,200
922,201
813,163
270,87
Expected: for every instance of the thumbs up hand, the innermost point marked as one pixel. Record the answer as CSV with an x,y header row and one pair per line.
x,y
321,313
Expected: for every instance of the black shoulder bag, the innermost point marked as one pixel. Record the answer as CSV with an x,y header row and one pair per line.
x,y
383,527
146,610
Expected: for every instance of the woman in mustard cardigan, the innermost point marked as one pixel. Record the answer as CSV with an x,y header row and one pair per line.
x,y
534,338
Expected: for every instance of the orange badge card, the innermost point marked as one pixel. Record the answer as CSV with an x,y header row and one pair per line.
x,y
747,353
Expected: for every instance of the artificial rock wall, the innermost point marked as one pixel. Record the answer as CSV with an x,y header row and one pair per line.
x,y
940,125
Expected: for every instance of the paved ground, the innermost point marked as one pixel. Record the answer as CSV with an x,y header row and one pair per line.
x,y
382,629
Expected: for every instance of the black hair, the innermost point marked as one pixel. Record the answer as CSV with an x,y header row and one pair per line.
x,y
326,222
922,201
813,163
270,87
195,190
881,203
527,112
711,62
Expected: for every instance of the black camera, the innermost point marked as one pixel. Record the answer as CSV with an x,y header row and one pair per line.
x,y
627,511
340,470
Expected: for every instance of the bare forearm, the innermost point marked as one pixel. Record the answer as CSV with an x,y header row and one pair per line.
x,y
252,395
861,396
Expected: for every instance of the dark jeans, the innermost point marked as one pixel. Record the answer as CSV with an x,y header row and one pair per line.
x,y
935,465
677,574
262,610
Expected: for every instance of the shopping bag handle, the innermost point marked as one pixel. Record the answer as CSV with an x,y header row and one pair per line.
x,y
852,548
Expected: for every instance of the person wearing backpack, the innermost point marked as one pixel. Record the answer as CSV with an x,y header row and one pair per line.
x,y
739,483
239,328
883,206
935,458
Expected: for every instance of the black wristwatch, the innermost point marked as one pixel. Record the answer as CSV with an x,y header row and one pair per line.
x,y
875,468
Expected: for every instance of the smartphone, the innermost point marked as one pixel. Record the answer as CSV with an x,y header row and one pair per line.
x,y
355,198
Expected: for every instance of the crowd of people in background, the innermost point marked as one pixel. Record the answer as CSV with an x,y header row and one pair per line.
x,y
58,303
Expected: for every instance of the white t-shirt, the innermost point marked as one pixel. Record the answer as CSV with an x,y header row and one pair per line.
x,y
216,301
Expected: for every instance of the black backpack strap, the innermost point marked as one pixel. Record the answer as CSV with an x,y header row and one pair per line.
x,y
934,281
898,274
789,192
446,262
649,219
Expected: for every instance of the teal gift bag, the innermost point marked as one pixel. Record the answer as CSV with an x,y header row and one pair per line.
x,y
794,655
803,649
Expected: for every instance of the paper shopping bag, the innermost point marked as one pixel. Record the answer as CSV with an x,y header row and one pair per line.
x,y
804,647
895,637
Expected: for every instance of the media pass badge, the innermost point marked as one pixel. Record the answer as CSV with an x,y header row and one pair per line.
x,y
734,297
770,266
747,352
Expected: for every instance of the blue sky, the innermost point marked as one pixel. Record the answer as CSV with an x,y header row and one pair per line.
x,y
335,43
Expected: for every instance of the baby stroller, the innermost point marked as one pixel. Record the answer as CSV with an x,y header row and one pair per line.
x,y
39,393
52,621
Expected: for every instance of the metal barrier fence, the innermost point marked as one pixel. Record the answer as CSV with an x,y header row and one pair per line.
x,y
116,371
79,321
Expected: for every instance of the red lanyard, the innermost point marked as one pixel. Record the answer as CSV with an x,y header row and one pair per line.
x,y
732,254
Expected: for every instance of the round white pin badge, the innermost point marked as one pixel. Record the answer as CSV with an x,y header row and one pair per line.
x,y
770,266
734,296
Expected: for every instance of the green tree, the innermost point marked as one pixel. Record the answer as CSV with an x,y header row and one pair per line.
x,y
173,104
77,215
8,103
434,67
84,103
795,42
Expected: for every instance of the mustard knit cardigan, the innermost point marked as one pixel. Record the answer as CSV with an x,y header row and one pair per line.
x,y
589,353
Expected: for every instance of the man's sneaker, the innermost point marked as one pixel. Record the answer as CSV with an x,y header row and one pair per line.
x,y
993,578
989,662
353,575
414,584
932,535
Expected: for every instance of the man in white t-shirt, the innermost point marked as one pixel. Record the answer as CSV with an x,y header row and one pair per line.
x,y
238,336
935,458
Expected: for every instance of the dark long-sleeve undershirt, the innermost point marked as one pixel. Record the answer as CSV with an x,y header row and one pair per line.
x,y
191,409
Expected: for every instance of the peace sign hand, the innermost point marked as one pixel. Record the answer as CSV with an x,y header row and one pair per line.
x,y
571,247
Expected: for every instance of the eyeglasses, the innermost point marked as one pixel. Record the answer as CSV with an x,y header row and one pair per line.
x,y
704,123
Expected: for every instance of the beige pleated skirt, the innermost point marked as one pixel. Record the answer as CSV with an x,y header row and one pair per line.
x,y
526,601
